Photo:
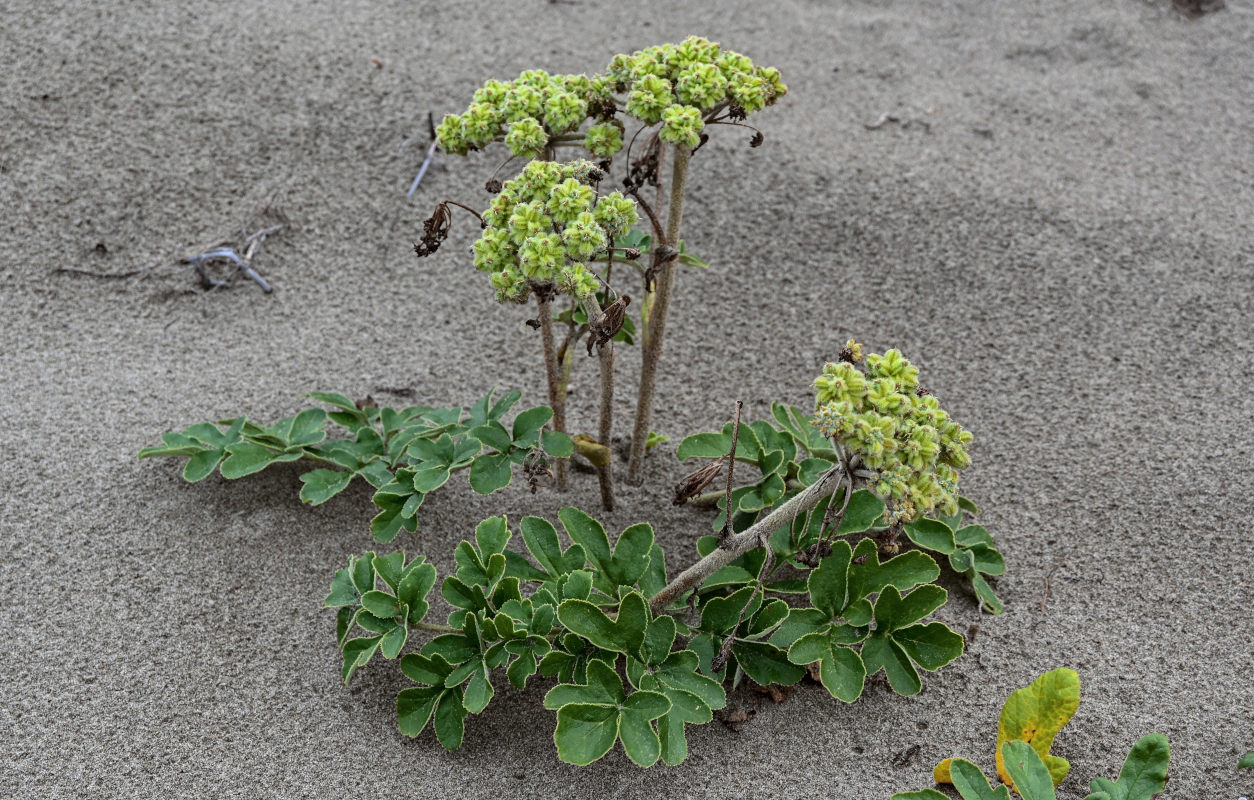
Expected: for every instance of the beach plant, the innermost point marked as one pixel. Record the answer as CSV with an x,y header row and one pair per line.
x,y
670,94
1030,720
640,651
405,454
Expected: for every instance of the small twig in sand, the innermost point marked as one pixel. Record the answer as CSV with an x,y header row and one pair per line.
x,y
884,119
1049,584
128,274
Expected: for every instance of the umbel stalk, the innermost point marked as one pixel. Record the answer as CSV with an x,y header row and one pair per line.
x,y
653,317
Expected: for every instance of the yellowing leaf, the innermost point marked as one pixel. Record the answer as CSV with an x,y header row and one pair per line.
x,y
1035,715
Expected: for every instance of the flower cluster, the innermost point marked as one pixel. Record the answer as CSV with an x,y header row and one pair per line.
x,y
543,226
676,84
899,430
528,112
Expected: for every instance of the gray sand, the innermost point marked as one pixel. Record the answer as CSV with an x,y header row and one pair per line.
x,y
1060,238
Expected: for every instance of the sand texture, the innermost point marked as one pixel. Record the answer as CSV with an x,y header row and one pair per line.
x,y
1057,230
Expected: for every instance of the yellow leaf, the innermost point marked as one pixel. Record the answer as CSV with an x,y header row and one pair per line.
x,y
1035,715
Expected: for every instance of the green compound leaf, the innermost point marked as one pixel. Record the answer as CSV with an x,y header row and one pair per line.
x,y
626,634
1247,761
591,717
603,687
973,535
897,645
343,591
320,485
1031,779
904,572
765,663
841,670
541,539
1144,773
829,582
630,557
494,435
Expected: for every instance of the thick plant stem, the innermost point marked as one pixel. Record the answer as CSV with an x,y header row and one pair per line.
x,y
651,350
737,544
552,372
605,353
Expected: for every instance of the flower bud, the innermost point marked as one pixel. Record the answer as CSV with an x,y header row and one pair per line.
x,y
681,125
526,138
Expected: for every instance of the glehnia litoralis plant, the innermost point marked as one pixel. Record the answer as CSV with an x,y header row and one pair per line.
x,y
801,584
672,92
1030,720
542,230
403,453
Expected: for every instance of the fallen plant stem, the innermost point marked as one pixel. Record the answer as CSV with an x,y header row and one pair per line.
x,y
738,544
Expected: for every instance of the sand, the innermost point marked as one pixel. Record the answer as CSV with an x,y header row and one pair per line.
x,y
1057,231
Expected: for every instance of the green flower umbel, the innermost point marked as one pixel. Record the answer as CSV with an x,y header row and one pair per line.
x,y
545,226
897,429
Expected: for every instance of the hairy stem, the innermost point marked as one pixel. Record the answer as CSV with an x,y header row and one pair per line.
x,y
738,544
434,627
651,350
605,353
557,394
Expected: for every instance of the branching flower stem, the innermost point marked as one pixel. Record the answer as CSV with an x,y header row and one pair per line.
x,y
655,307
737,544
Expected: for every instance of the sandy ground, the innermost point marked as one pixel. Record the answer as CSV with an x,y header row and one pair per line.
x,y
1060,237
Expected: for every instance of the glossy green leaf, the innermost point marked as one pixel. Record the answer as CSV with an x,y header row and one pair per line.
x,y
765,663
840,669
1031,778
864,511
585,733
972,784
829,582
356,653
931,534
320,485
557,444
245,458
1144,772
703,445
528,423
973,535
